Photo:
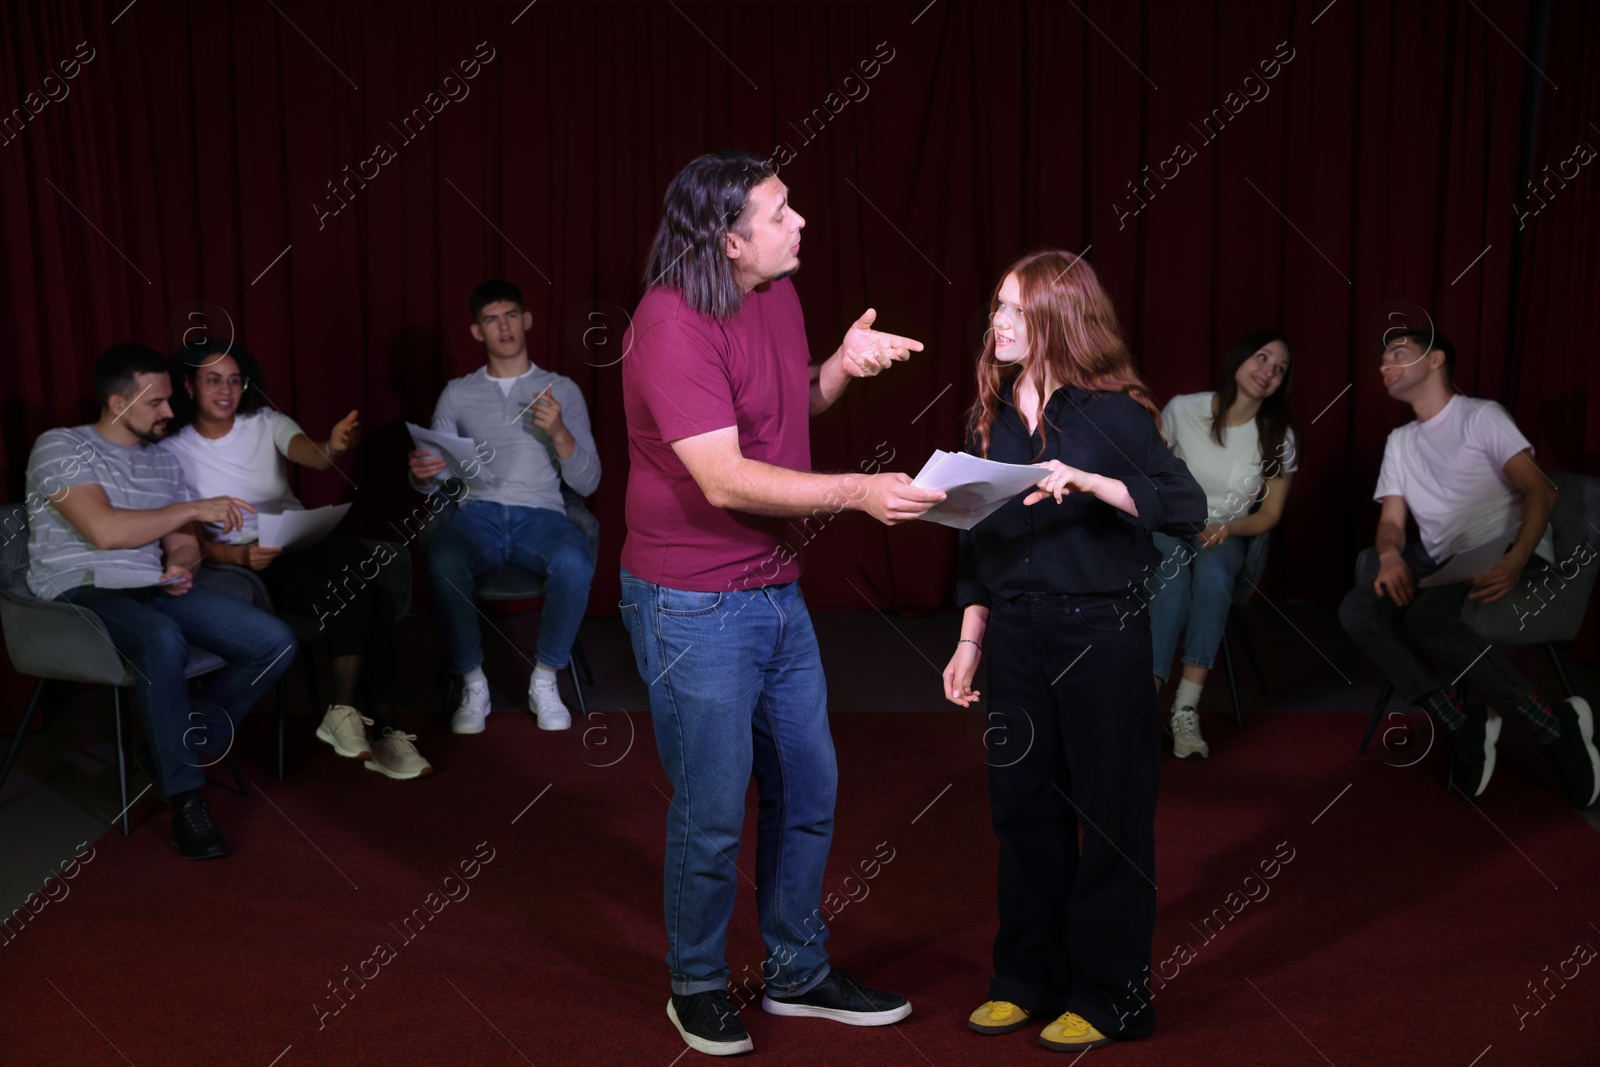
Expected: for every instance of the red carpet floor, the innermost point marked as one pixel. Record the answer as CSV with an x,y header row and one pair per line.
x,y
1407,927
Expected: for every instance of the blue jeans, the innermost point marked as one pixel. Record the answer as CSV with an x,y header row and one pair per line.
x,y
736,687
153,631
1193,591
483,536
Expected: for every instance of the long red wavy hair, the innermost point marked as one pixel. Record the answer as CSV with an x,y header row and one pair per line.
x,y
1073,339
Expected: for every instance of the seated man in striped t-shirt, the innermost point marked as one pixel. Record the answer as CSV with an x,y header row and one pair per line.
x,y
115,535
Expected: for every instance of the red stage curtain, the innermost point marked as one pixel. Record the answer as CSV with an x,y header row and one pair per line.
x,y
196,143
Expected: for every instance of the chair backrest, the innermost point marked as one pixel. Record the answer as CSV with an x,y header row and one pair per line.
x,y
1549,603
14,547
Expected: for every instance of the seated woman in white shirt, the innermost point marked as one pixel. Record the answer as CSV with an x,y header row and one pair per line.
x,y
1240,444
229,439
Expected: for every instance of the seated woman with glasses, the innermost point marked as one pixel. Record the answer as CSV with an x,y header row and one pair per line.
x,y
230,439
1240,444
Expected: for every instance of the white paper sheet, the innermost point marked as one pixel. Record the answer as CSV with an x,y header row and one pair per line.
x,y
976,487
460,454
1471,562
300,529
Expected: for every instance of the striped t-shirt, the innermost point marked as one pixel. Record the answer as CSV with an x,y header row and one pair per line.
x,y
134,477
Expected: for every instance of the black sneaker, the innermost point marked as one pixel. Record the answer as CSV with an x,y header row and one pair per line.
x,y
1573,754
709,1023
192,829
1472,750
843,998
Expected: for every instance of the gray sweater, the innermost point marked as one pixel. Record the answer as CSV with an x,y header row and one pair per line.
x,y
522,469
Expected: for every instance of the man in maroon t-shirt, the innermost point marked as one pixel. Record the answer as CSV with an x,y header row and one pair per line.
x,y
718,385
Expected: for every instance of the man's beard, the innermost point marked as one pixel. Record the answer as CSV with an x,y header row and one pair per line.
x,y
152,436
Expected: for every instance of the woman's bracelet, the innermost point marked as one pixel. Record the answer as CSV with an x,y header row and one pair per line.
x,y
969,641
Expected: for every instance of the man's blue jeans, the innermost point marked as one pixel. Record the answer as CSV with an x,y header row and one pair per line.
x,y
1196,598
736,687
483,536
153,631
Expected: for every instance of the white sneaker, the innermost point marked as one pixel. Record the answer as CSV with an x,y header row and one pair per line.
x,y
544,699
473,711
1186,740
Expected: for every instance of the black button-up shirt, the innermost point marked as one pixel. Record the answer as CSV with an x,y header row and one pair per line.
x,y
1081,545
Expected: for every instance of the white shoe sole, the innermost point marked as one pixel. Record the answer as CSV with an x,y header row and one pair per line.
x,y
1586,730
565,722
1491,735
710,1048
374,765
468,727
324,734
850,1018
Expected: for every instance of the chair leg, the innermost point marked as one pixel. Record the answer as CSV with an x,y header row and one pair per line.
x,y
312,689
582,661
1377,714
577,687
283,715
1243,633
233,765
1555,662
22,730
122,760
1233,683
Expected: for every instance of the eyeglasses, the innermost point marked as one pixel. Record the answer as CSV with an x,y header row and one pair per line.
x,y
232,384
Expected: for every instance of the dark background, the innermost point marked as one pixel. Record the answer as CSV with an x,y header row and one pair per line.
x,y
1385,157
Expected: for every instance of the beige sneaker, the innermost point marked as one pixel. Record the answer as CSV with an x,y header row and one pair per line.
x,y
345,729
1186,740
397,757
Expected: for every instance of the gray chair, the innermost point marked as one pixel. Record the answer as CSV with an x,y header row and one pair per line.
x,y
56,641
507,582
1255,565
393,578
1548,605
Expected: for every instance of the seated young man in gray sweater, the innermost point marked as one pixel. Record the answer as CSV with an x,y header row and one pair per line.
x,y
532,432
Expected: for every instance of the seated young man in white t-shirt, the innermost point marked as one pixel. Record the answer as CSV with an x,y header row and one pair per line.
x,y
1466,473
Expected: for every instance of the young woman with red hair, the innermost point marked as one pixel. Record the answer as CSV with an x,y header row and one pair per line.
x,y
1050,587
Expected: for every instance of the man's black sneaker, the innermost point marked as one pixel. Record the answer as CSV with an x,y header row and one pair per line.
x,y
1573,754
843,998
709,1023
1471,747
192,829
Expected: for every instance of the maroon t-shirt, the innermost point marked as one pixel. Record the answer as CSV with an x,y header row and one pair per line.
x,y
685,374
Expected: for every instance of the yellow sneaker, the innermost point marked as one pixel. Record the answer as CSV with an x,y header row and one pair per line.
x,y
1072,1033
998,1017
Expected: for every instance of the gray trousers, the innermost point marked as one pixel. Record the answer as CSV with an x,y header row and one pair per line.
x,y
1403,641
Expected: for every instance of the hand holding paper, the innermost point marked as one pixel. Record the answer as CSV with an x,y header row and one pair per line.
x,y
460,454
974,488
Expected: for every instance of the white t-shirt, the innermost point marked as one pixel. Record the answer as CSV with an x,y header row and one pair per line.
x,y
508,384
1231,473
246,462
1451,472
